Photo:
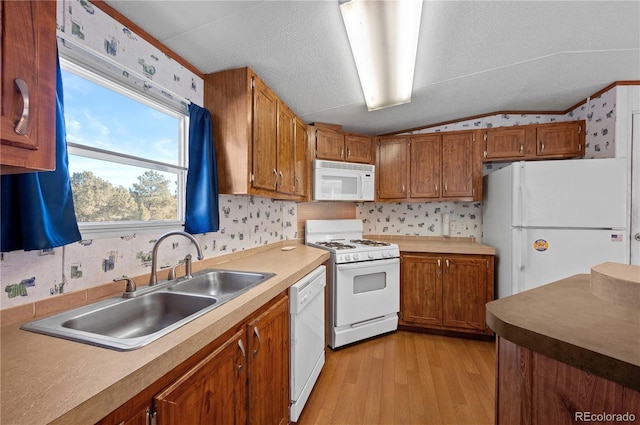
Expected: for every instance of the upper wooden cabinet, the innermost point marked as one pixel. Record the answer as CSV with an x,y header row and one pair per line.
x,y
537,141
257,137
333,144
436,166
28,118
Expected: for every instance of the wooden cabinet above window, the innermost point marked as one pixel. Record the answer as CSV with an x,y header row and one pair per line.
x,y
536,141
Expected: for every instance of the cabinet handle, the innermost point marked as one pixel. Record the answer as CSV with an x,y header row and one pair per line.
x,y
281,178
349,153
486,154
447,261
436,188
342,153
446,189
23,122
521,148
257,334
439,272
403,188
579,147
244,355
275,182
541,146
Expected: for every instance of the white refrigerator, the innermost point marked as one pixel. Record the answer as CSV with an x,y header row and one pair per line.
x,y
549,220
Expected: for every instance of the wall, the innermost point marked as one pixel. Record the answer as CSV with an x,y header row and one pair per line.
x,y
245,221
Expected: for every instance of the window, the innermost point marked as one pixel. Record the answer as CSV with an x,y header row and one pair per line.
x,y
127,156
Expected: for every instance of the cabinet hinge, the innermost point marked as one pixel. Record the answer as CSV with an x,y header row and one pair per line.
x,y
151,416
579,129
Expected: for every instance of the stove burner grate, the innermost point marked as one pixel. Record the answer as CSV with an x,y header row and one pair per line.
x,y
336,245
369,242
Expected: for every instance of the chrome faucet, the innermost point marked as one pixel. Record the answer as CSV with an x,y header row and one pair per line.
x,y
153,279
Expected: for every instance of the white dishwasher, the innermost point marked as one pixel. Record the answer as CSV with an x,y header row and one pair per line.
x,y
307,336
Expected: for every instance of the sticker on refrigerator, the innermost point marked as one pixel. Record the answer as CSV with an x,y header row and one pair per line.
x,y
616,237
541,245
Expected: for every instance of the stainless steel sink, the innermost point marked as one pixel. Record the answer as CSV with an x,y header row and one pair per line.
x,y
222,284
133,322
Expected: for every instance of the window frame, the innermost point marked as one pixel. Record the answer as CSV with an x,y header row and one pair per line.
x,y
90,230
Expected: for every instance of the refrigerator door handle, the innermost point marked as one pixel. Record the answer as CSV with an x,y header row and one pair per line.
x,y
523,204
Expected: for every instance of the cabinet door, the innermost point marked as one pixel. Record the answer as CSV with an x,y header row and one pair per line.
x,y
302,165
286,148
421,289
559,140
269,366
457,165
425,166
359,148
213,392
264,145
464,292
28,82
329,145
503,143
392,171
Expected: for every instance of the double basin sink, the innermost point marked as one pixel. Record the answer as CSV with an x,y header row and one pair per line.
x,y
133,322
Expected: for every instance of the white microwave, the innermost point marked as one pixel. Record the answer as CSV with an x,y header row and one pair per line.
x,y
343,181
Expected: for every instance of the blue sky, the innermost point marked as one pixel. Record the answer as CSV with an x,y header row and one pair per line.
x,y
102,118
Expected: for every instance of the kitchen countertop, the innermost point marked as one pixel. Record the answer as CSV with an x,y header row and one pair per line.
x,y
565,321
437,245
52,380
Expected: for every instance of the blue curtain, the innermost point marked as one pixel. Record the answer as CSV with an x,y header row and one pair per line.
x,y
201,209
37,208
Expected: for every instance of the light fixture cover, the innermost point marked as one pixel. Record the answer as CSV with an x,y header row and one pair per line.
x,y
383,35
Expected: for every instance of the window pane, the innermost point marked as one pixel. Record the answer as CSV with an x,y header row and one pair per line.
x,y
108,191
99,117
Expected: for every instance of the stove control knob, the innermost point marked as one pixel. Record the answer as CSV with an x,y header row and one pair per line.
x,y
356,257
384,254
347,257
371,255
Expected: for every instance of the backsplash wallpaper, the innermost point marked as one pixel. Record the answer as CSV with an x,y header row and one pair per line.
x,y
245,222
421,218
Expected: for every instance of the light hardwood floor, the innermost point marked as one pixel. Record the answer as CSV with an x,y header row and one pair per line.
x,y
406,378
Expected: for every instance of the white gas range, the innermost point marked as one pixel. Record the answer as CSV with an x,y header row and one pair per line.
x,y
363,280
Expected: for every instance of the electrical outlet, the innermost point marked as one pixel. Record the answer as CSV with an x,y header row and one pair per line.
x,y
453,226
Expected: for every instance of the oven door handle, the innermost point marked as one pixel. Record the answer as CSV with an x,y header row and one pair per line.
x,y
367,264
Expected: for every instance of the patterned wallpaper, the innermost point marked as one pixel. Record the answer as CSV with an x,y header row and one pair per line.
x,y
245,222
115,47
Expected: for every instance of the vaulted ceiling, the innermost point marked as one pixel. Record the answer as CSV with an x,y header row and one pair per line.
x,y
474,57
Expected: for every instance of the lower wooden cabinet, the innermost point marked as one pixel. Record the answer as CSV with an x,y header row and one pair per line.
x,y
242,378
534,389
446,291
213,392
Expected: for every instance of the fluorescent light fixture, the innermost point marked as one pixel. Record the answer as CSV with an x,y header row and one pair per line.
x,y
384,40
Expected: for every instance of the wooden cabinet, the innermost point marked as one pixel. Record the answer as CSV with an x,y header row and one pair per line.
x,y
333,144
28,96
241,378
441,166
256,137
302,164
535,389
446,291
268,367
538,141
213,392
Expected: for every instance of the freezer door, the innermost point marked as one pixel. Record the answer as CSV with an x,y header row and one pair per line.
x,y
543,256
584,193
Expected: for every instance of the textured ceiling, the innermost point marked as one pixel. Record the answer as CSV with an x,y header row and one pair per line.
x,y
473,58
